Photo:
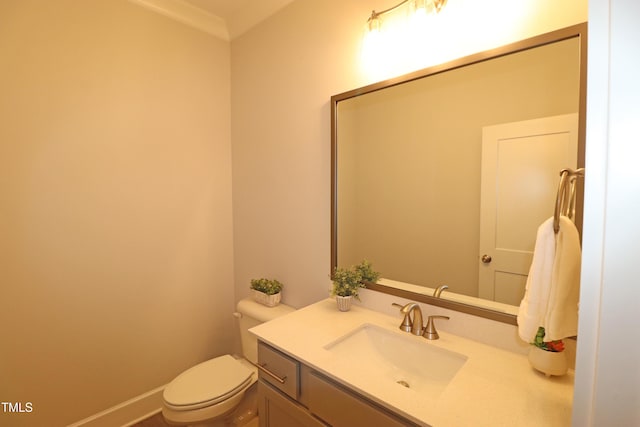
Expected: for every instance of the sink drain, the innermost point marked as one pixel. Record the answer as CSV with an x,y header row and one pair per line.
x,y
403,383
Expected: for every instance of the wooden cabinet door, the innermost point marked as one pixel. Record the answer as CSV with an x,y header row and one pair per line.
x,y
275,410
342,408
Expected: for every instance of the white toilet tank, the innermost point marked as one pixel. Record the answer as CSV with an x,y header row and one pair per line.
x,y
250,314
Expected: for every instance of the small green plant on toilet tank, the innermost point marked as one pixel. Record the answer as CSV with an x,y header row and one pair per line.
x,y
266,291
266,286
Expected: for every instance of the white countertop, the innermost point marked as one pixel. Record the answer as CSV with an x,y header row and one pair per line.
x,y
493,388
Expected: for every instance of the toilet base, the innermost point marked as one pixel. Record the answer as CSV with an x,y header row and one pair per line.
x,y
239,416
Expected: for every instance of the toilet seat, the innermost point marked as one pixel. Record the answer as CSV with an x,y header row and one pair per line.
x,y
208,383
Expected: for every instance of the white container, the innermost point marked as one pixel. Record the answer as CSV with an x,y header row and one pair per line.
x,y
344,303
548,362
264,299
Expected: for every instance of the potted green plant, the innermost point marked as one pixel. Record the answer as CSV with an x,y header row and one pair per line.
x,y
346,284
548,357
266,291
366,271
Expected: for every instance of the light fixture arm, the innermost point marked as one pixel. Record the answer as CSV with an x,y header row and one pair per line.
x,y
374,14
436,4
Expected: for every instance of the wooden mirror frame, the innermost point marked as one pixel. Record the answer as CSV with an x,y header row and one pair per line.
x,y
576,31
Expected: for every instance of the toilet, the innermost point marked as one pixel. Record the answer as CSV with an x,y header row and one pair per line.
x,y
221,392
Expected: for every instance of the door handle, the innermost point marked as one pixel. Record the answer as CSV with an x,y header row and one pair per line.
x,y
486,258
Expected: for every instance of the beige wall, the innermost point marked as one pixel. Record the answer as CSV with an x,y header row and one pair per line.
x,y
115,209
283,75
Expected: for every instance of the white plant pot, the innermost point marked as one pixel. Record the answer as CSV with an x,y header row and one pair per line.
x,y
548,362
344,303
264,299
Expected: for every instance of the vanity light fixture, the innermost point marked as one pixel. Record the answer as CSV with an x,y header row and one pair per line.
x,y
417,7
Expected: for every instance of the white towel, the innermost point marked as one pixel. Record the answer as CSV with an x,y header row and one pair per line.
x,y
561,319
553,285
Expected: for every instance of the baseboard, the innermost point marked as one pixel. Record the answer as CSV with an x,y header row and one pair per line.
x,y
126,413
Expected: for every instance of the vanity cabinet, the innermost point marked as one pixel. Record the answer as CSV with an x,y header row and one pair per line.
x,y
292,394
276,410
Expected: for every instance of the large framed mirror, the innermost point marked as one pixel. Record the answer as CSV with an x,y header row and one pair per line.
x,y
441,177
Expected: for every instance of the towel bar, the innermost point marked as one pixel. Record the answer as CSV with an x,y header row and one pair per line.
x,y
566,197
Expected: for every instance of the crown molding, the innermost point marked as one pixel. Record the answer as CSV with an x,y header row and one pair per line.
x,y
189,15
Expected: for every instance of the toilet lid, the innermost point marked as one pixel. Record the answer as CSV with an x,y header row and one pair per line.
x,y
208,383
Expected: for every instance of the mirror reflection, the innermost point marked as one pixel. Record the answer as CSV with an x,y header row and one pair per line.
x,y
438,174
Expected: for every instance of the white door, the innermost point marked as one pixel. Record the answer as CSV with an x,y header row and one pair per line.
x,y
521,164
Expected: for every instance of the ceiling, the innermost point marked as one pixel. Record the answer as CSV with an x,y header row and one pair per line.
x,y
226,19
225,9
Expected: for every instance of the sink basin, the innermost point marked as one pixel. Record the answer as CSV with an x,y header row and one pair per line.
x,y
401,359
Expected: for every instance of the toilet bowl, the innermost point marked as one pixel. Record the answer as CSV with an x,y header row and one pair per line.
x,y
221,391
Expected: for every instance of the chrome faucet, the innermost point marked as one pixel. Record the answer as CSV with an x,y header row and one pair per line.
x,y
413,325
439,290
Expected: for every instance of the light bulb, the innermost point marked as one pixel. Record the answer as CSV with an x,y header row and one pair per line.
x,y
418,11
437,5
424,7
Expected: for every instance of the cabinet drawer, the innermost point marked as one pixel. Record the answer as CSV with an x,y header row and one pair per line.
x,y
282,367
342,408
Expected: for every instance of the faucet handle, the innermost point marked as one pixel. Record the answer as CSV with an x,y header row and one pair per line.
x,y
406,324
430,331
